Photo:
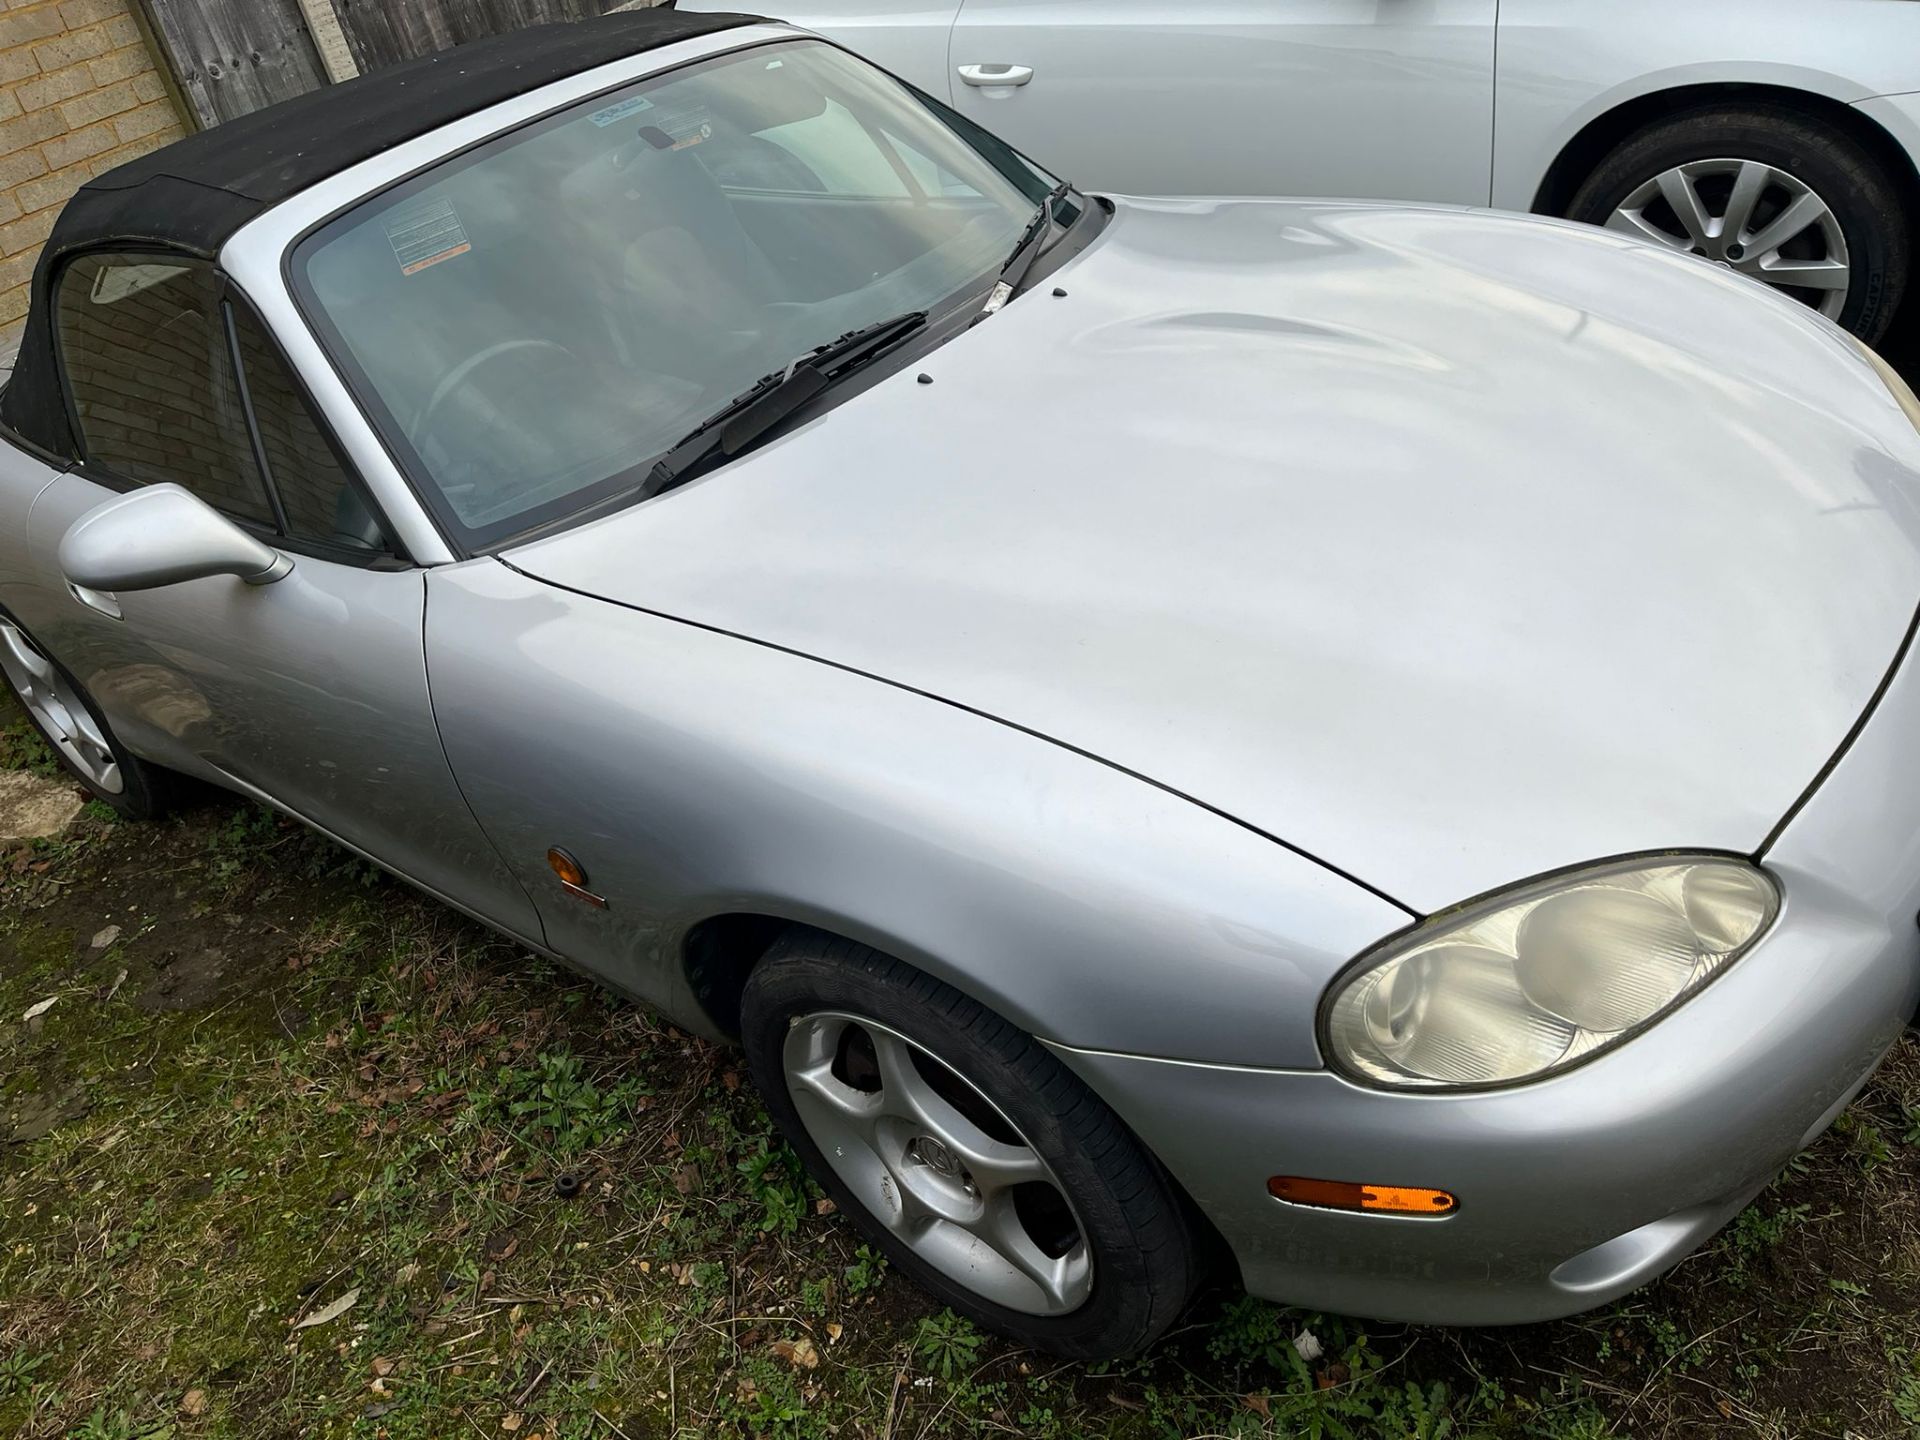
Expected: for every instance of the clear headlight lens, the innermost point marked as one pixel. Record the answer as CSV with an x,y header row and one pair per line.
x,y
1547,975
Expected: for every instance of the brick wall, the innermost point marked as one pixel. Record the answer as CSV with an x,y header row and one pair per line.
x,y
79,93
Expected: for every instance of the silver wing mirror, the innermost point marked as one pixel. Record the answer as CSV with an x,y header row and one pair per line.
x,y
161,535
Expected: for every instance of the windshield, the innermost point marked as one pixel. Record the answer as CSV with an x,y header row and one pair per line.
x,y
533,323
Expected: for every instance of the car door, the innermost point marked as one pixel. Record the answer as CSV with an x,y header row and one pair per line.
x,y
1386,98
312,691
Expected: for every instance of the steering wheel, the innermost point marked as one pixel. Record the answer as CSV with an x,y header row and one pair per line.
x,y
462,372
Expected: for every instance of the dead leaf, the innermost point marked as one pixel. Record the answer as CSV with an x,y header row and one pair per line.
x,y
39,1008
194,1402
1259,1405
510,1422
106,937
798,1353
686,1179
824,1206
331,1312
834,1332
382,1366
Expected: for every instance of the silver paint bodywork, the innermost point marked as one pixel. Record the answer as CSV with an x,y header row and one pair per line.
x,y
1305,569
1449,547
1464,101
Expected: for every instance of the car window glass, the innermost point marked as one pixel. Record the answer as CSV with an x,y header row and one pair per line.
x,y
147,364
932,177
320,502
832,150
532,323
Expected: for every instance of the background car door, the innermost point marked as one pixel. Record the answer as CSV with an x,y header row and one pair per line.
x,y
1385,98
312,690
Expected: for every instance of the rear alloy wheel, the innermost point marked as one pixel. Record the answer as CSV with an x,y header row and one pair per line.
x,y
76,731
966,1151
1767,192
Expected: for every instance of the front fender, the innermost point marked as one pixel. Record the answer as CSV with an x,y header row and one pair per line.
x,y
694,773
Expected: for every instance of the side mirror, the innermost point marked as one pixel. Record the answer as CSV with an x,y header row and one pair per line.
x,y
161,535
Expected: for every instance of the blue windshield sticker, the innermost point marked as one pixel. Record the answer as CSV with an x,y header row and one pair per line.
x,y
612,113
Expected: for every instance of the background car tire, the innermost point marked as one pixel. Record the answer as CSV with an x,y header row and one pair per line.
x,y
1854,187
145,791
1143,1261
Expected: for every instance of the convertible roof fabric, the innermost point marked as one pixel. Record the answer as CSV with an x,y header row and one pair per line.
x,y
192,195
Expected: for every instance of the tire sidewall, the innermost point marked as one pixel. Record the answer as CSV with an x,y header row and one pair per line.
x,y
1110,1322
1859,194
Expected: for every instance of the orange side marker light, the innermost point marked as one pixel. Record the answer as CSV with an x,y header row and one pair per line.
x,y
1352,1195
573,877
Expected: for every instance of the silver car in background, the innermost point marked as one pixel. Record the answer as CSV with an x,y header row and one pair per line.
x,y
1780,138
1377,732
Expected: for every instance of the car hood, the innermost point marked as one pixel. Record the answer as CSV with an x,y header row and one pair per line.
x,y
1447,547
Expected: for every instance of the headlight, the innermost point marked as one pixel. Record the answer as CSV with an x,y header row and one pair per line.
x,y
1903,395
1544,976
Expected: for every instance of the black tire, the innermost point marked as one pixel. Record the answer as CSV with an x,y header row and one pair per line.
x,y
1145,1266
147,791
1856,187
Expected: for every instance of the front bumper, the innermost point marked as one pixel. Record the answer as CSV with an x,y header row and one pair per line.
x,y
1577,1189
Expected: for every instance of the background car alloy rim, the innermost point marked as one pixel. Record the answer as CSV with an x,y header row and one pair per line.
x,y
59,711
938,1163
1749,217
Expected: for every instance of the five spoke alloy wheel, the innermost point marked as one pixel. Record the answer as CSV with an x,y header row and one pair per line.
x,y
937,1163
963,1149
1749,217
58,710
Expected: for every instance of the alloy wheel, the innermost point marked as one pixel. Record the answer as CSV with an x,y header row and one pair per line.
x,y
1749,217
937,1163
61,713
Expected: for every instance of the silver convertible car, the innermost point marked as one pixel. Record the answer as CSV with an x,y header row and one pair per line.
x,y
1371,739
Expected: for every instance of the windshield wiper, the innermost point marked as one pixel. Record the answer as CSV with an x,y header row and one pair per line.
x,y
1025,251
773,398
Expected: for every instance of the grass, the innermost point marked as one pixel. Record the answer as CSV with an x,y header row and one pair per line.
x,y
286,1157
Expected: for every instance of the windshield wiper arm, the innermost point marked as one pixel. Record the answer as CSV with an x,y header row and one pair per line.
x,y
1025,251
774,397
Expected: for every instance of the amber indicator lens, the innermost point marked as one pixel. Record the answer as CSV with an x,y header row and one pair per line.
x,y
1351,1195
566,867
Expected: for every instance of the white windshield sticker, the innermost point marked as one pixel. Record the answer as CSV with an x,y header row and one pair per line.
x,y
424,235
608,116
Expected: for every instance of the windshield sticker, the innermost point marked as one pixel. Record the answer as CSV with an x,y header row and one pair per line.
x,y
612,113
425,235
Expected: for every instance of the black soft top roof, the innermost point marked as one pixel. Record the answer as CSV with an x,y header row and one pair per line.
x,y
192,195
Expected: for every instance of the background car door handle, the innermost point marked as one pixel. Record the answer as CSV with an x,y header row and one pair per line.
x,y
995,74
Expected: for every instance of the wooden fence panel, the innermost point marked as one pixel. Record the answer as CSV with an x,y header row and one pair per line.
x,y
382,32
232,56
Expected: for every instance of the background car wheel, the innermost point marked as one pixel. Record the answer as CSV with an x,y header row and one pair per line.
x,y
1769,192
982,1167
75,730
